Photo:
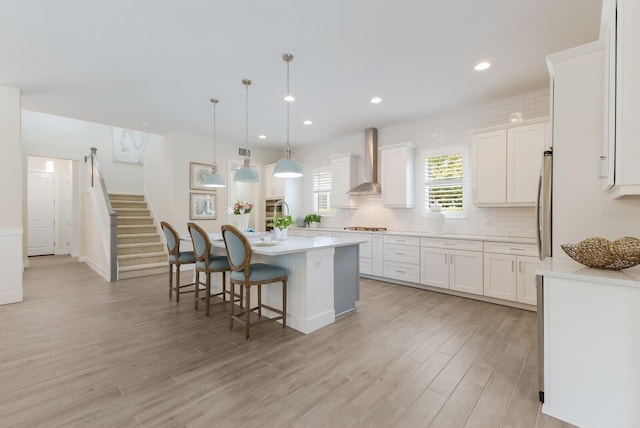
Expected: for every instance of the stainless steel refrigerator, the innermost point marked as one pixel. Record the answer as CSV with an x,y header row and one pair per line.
x,y
544,222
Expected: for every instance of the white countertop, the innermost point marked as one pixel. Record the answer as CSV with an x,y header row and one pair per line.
x,y
293,244
489,238
568,269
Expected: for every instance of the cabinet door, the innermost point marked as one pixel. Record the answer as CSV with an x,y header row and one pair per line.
x,y
500,276
526,290
378,255
489,167
465,271
273,186
396,178
434,267
525,145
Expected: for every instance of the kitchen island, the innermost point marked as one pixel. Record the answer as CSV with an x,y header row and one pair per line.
x,y
323,277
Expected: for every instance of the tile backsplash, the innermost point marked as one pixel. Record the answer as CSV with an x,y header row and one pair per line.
x,y
431,133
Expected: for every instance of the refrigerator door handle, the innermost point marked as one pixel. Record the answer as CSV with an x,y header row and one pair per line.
x,y
538,214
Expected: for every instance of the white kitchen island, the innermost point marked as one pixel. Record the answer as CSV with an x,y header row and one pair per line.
x,y
323,277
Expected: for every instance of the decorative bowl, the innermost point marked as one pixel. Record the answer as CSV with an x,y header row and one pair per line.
x,y
600,253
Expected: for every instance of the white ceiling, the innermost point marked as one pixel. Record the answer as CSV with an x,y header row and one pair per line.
x,y
133,62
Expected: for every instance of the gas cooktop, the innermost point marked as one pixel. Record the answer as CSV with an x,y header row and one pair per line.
x,y
366,228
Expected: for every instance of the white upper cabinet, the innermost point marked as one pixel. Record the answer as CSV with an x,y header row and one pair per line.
x,y
396,175
273,186
621,151
506,164
344,177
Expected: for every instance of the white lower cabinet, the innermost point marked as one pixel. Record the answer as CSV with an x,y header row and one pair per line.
x,y
443,264
510,276
377,260
401,255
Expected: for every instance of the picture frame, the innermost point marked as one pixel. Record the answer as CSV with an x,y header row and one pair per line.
x,y
197,174
202,206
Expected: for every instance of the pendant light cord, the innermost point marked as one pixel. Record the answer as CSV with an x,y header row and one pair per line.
x,y
246,82
214,102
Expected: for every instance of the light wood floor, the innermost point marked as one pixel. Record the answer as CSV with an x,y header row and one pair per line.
x,y
82,352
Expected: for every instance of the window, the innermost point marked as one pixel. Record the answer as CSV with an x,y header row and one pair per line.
x,y
444,175
322,192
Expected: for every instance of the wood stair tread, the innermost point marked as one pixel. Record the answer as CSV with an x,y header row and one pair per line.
x,y
141,255
144,266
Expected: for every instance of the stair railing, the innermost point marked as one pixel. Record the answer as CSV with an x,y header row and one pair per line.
x,y
96,173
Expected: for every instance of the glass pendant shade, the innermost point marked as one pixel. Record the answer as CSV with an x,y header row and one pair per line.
x,y
213,179
287,167
246,173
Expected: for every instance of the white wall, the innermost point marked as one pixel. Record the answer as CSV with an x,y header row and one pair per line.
x,y
46,135
167,177
429,133
11,175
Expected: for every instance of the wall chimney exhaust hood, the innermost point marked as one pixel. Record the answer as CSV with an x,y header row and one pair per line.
x,y
370,185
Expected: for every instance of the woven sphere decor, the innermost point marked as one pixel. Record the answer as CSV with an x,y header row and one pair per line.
x,y
601,253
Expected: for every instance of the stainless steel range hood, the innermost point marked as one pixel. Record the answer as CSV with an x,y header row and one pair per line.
x,y
370,185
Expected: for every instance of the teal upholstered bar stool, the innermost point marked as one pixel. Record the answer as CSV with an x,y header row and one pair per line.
x,y
247,275
176,259
207,264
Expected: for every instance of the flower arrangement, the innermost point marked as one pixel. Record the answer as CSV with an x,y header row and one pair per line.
x,y
241,207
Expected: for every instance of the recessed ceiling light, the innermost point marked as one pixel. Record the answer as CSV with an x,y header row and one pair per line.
x,y
307,122
289,98
482,66
376,100
262,137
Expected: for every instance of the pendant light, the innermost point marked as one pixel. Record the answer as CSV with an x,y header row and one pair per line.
x,y
287,167
214,179
246,173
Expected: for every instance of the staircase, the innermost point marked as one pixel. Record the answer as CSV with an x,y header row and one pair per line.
x,y
141,250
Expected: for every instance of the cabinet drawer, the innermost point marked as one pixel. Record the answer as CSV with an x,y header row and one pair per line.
x,y
402,240
320,233
402,253
510,248
366,266
452,244
402,271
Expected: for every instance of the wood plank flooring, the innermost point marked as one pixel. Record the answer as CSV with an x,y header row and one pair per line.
x,y
80,351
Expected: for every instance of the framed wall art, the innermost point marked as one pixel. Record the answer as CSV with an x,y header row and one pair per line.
x,y
197,173
202,206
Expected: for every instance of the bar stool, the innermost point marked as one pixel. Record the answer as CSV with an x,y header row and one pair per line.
x,y
176,258
247,275
207,264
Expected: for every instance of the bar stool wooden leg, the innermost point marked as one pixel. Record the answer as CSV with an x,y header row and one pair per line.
x,y
197,290
284,304
177,283
248,312
170,280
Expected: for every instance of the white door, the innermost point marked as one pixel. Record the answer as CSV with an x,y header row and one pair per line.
x,y
41,214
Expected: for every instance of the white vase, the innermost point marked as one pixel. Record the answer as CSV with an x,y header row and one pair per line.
x,y
280,234
435,219
242,221
313,225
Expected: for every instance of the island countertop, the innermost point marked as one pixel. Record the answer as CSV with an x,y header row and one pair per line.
x,y
293,244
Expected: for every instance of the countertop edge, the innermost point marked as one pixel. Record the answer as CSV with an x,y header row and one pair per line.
x,y
568,269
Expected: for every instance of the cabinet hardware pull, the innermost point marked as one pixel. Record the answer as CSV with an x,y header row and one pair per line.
x,y
520,267
516,249
399,271
400,254
445,260
451,258
513,266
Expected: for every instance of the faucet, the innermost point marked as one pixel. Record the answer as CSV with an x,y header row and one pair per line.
x,y
275,208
